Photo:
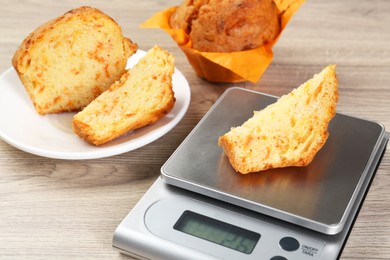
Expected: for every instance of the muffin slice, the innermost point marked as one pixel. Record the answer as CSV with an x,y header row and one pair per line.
x,y
142,96
289,132
67,62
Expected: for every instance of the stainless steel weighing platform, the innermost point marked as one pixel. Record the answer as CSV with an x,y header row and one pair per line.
x,y
310,209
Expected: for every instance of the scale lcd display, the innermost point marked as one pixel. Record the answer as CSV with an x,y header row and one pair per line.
x,y
217,231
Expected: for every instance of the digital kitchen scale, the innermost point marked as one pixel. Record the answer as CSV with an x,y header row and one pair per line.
x,y
200,208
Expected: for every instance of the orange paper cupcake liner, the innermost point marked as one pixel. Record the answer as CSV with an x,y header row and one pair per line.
x,y
239,66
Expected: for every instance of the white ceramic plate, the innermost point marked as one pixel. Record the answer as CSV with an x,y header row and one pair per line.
x,y
52,135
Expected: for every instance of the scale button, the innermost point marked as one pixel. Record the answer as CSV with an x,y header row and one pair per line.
x,y
278,257
289,243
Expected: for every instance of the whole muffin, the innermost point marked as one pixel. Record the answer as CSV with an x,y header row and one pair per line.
x,y
227,25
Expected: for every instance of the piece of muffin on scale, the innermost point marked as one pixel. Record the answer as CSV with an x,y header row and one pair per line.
x,y
288,132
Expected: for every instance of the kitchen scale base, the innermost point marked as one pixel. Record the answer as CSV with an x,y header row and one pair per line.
x,y
148,231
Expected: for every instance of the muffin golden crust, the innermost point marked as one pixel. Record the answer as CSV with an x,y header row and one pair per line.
x,y
227,25
67,62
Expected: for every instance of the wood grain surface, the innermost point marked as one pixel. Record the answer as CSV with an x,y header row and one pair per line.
x,y
69,209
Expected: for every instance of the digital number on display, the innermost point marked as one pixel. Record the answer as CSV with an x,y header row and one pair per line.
x,y
217,231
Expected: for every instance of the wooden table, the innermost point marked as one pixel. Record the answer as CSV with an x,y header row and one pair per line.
x,y
64,209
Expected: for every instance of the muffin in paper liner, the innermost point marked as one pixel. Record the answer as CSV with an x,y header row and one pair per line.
x,y
239,66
